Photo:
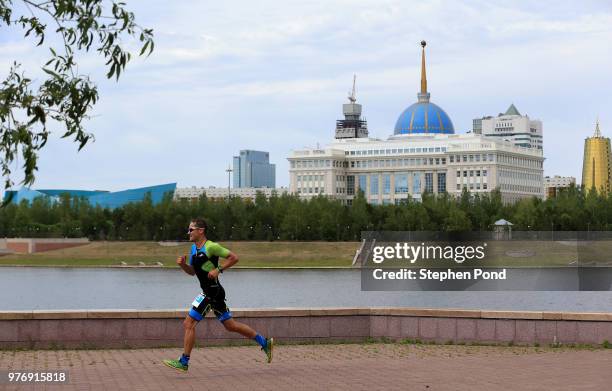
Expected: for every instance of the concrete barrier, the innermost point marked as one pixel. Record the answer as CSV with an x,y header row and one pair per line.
x,y
129,328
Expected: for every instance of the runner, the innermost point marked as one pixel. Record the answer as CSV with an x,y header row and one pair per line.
x,y
204,263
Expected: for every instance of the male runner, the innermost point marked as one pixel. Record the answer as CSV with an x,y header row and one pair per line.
x,y
204,263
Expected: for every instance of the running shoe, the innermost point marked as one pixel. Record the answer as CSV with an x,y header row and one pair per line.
x,y
176,364
268,348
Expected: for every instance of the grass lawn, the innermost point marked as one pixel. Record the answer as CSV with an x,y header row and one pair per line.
x,y
252,254
318,254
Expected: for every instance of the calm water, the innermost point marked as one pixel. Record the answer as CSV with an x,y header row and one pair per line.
x,y
24,288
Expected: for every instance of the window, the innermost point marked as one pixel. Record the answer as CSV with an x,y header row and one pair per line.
x,y
362,183
484,172
452,158
471,173
477,172
401,183
299,178
441,182
484,186
465,174
374,184
416,183
458,174
350,184
386,184
429,182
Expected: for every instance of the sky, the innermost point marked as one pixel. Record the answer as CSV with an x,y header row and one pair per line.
x,y
272,76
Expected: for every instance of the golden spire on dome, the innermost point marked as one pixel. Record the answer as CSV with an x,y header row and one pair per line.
x,y
423,73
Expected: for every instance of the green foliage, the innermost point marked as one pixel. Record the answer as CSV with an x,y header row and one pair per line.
x,y
287,217
64,98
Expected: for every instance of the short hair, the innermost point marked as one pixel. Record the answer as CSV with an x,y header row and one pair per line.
x,y
200,223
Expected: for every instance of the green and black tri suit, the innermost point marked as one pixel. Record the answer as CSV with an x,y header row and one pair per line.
x,y
203,260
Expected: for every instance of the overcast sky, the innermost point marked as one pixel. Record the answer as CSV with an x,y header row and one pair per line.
x,y
273,75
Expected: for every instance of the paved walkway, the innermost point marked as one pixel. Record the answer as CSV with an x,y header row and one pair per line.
x,y
326,367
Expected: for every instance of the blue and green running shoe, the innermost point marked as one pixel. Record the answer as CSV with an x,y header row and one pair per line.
x,y
268,348
176,364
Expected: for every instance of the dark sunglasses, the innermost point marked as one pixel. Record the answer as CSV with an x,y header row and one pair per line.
x,y
190,230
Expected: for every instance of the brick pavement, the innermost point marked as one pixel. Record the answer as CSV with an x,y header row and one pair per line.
x,y
326,367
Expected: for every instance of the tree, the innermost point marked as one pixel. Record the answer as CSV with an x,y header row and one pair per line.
x,y
64,97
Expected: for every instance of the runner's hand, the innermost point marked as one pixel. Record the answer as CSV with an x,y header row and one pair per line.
x,y
181,260
213,274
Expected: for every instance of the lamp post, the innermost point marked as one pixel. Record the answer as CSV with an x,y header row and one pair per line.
x,y
229,174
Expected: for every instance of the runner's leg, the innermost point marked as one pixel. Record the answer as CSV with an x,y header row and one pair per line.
x,y
189,325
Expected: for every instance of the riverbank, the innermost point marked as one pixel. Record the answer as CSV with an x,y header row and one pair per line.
x,y
252,254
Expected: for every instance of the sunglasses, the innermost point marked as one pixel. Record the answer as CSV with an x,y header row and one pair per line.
x,y
190,230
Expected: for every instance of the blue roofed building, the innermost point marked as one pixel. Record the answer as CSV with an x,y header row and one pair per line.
x,y
102,198
423,155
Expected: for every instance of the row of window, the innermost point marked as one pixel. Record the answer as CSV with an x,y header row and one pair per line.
x,y
398,162
525,189
310,178
472,158
472,186
516,161
318,164
395,150
519,175
471,173
401,183
310,190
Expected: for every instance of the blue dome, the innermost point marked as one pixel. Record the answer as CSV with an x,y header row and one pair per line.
x,y
424,118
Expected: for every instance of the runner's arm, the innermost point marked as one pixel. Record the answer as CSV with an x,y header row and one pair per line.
x,y
230,261
183,264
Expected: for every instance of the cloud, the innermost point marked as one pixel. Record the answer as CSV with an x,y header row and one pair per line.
x,y
273,76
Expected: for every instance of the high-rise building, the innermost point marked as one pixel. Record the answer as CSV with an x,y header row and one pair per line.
x,y
596,165
423,155
253,169
511,126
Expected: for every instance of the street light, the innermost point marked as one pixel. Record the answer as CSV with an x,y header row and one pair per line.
x,y
229,174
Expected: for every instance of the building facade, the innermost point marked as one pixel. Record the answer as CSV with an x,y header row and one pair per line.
x,y
423,155
511,126
553,184
596,164
253,169
193,193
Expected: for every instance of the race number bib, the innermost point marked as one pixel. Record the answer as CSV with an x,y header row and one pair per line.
x,y
198,300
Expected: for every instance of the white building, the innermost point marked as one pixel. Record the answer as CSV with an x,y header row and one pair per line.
x,y
424,154
553,184
212,192
511,126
